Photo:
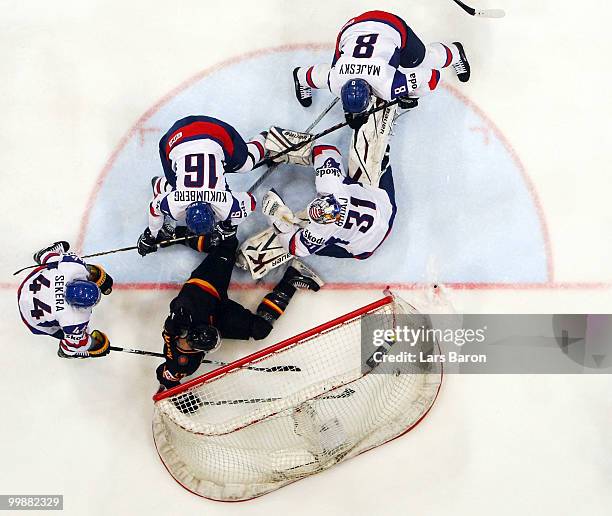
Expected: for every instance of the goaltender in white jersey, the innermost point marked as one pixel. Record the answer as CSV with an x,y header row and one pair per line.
x,y
57,299
347,219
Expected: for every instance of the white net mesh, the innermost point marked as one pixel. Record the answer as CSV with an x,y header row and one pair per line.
x,y
243,433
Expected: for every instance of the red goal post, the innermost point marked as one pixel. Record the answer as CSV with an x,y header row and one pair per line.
x,y
235,433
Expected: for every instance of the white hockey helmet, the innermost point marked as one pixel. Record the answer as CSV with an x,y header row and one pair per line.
x,y
324,210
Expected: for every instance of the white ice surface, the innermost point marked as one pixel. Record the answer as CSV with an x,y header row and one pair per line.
x,y
76,76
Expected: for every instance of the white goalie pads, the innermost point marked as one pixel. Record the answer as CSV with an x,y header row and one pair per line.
x,y
262,253
368,145
279,140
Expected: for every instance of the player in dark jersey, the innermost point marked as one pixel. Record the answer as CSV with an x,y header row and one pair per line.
x,y
202,313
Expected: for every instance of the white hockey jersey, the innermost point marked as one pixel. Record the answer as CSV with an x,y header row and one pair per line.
x,y
369,50
226,205
196,153
367,214
43,307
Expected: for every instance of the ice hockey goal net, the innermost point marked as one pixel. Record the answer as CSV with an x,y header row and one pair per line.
x,y
237,433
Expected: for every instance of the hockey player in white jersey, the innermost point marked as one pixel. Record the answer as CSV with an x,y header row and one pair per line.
x,y
196,154
57,299
347,219
378,54
378,58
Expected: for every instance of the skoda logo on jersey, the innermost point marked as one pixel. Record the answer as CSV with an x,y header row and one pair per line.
x,y
413,81
331,166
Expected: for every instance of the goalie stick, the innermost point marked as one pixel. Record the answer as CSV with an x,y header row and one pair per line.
x,y
273,369
272,167
331,129
482,13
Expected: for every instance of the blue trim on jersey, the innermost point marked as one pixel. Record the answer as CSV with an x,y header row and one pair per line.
x,y
48,324
164,207
235,208
70,258
312,248
399,87
395,58
75,328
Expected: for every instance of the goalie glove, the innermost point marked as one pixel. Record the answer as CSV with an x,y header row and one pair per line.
x,y
279,215
279,140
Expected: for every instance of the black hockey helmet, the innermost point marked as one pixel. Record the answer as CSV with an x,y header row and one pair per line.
x,y
204,338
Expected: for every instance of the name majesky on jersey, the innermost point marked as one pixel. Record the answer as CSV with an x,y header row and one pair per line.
x,y
356,69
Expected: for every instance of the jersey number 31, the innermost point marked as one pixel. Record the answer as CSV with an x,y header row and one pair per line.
x,y
364,220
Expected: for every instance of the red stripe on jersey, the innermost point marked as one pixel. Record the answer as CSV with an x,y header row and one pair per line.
x,y
309,78
259,148
292,243
380,16
46,259
253,202
435,79
200,129
70,346
319,149
449,56
152,210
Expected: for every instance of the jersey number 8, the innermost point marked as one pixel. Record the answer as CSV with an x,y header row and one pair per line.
x,y
365,45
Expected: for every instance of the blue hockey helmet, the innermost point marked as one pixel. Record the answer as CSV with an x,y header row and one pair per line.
x,y
200,218
324,210
82,293
355,96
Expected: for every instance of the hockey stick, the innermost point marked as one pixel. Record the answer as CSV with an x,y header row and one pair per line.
x,y
274,369
344,394
120,250
482,13
253,187
273,167
329,130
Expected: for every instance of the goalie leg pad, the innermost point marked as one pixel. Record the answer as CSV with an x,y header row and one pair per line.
x,y
262,253
368,146
279,140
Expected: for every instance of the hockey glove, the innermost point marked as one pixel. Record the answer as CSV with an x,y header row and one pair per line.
x,y
147,243
101,345
100,277
408,102
355,121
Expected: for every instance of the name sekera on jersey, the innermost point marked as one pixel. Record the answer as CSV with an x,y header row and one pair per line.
x,y
58,289
213,196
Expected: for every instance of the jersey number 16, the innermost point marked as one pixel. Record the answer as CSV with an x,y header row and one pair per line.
x,y
195,173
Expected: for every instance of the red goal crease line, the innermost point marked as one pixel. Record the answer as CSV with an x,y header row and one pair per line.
x,y
555,285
